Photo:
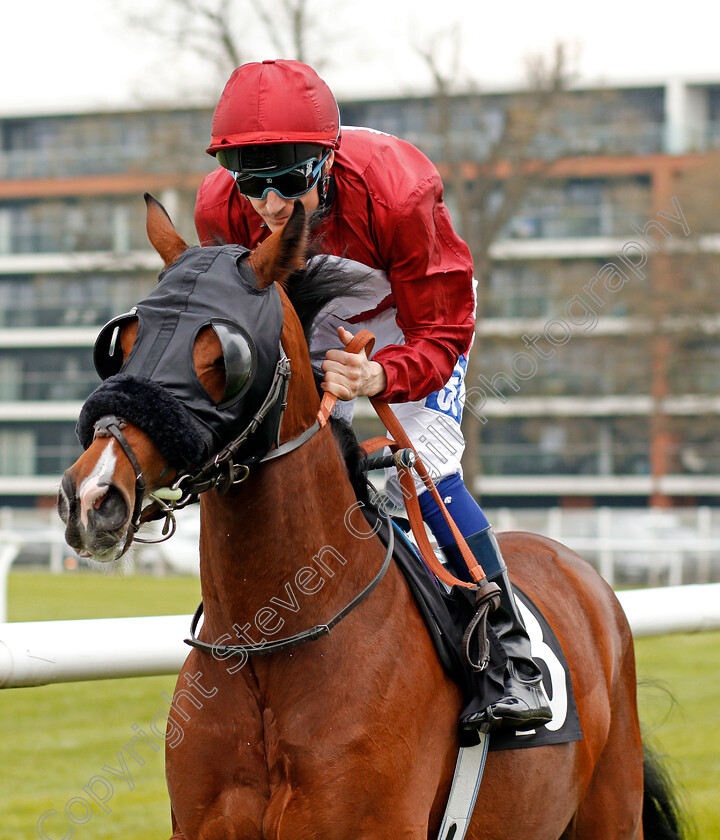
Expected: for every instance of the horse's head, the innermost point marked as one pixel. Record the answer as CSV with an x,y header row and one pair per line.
x,y
185,372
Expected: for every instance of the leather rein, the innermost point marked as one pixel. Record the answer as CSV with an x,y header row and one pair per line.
x,y
316,632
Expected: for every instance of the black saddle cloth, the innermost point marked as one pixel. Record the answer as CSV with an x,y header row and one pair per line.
x,y
446,615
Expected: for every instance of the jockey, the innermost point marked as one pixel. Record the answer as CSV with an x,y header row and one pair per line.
x,y
277,137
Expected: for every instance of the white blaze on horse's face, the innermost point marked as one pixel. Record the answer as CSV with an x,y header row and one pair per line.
x,y
96,485
96,509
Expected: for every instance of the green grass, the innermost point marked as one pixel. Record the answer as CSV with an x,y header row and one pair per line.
x,y
53,739
34,596
679,698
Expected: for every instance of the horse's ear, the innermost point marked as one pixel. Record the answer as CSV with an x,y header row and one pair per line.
x,y
283,252
161,232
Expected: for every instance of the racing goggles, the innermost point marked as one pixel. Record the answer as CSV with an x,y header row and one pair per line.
x,y
292,182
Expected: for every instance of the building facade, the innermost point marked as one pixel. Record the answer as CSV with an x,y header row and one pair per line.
x,y
582,393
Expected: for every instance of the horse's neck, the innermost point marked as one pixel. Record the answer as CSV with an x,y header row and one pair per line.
x,y
302,401
294,513
286,531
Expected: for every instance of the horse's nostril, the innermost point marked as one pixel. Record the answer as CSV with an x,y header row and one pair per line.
x,y
110,511
63,507
66,498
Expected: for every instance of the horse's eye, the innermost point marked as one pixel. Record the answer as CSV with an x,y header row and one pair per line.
x,y
238,359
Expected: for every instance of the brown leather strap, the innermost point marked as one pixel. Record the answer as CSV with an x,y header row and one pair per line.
x,y
365,340
392,424
373,444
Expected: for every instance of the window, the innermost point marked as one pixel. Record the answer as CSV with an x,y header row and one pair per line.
x,y
10,378
17,452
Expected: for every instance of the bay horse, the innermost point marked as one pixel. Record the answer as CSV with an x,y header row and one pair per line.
x,y
355,733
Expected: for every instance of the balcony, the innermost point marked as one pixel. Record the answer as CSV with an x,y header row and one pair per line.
x,y
75,300
147,142
618,459
54,312
63,236
37,385
553,221
37,449
582,139
574,460
68,162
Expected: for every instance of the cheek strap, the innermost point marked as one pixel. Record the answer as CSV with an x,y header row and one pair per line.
x,y
111,426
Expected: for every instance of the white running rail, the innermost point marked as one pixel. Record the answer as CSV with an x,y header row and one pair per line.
x,y
44,652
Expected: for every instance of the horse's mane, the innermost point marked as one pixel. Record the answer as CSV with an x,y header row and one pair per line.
x,y
354,458
321,281
309,291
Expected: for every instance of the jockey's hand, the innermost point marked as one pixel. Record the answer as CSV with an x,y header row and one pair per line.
x,y
350,375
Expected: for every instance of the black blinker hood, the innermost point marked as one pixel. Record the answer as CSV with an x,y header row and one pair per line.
x,y
153,409
157,387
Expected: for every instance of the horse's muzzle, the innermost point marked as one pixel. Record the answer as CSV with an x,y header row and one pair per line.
x,y
96,519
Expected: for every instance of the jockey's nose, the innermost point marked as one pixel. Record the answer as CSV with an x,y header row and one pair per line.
x,y
275,203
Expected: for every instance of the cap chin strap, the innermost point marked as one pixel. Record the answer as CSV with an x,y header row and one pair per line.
x,y
324,186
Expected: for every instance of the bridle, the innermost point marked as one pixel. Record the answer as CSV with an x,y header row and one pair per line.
x,y
112,426
223,472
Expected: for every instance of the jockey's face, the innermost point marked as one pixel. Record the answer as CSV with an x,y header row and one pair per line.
x,y
276,210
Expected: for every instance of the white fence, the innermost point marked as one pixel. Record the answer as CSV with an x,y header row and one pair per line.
x,y
629,546
647,546
38,537
43,652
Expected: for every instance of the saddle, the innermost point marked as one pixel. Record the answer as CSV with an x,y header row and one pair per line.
x,y
454,610
447,611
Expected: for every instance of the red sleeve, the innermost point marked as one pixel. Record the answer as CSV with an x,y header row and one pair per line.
x,y
430,271
202,223
208,215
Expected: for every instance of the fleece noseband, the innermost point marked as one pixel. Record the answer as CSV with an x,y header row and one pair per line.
x,y
157,388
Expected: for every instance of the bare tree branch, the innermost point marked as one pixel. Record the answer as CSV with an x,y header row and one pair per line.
x,y
226,33
509,166
273,31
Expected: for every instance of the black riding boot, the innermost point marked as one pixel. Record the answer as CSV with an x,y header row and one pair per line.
x,y
525,704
